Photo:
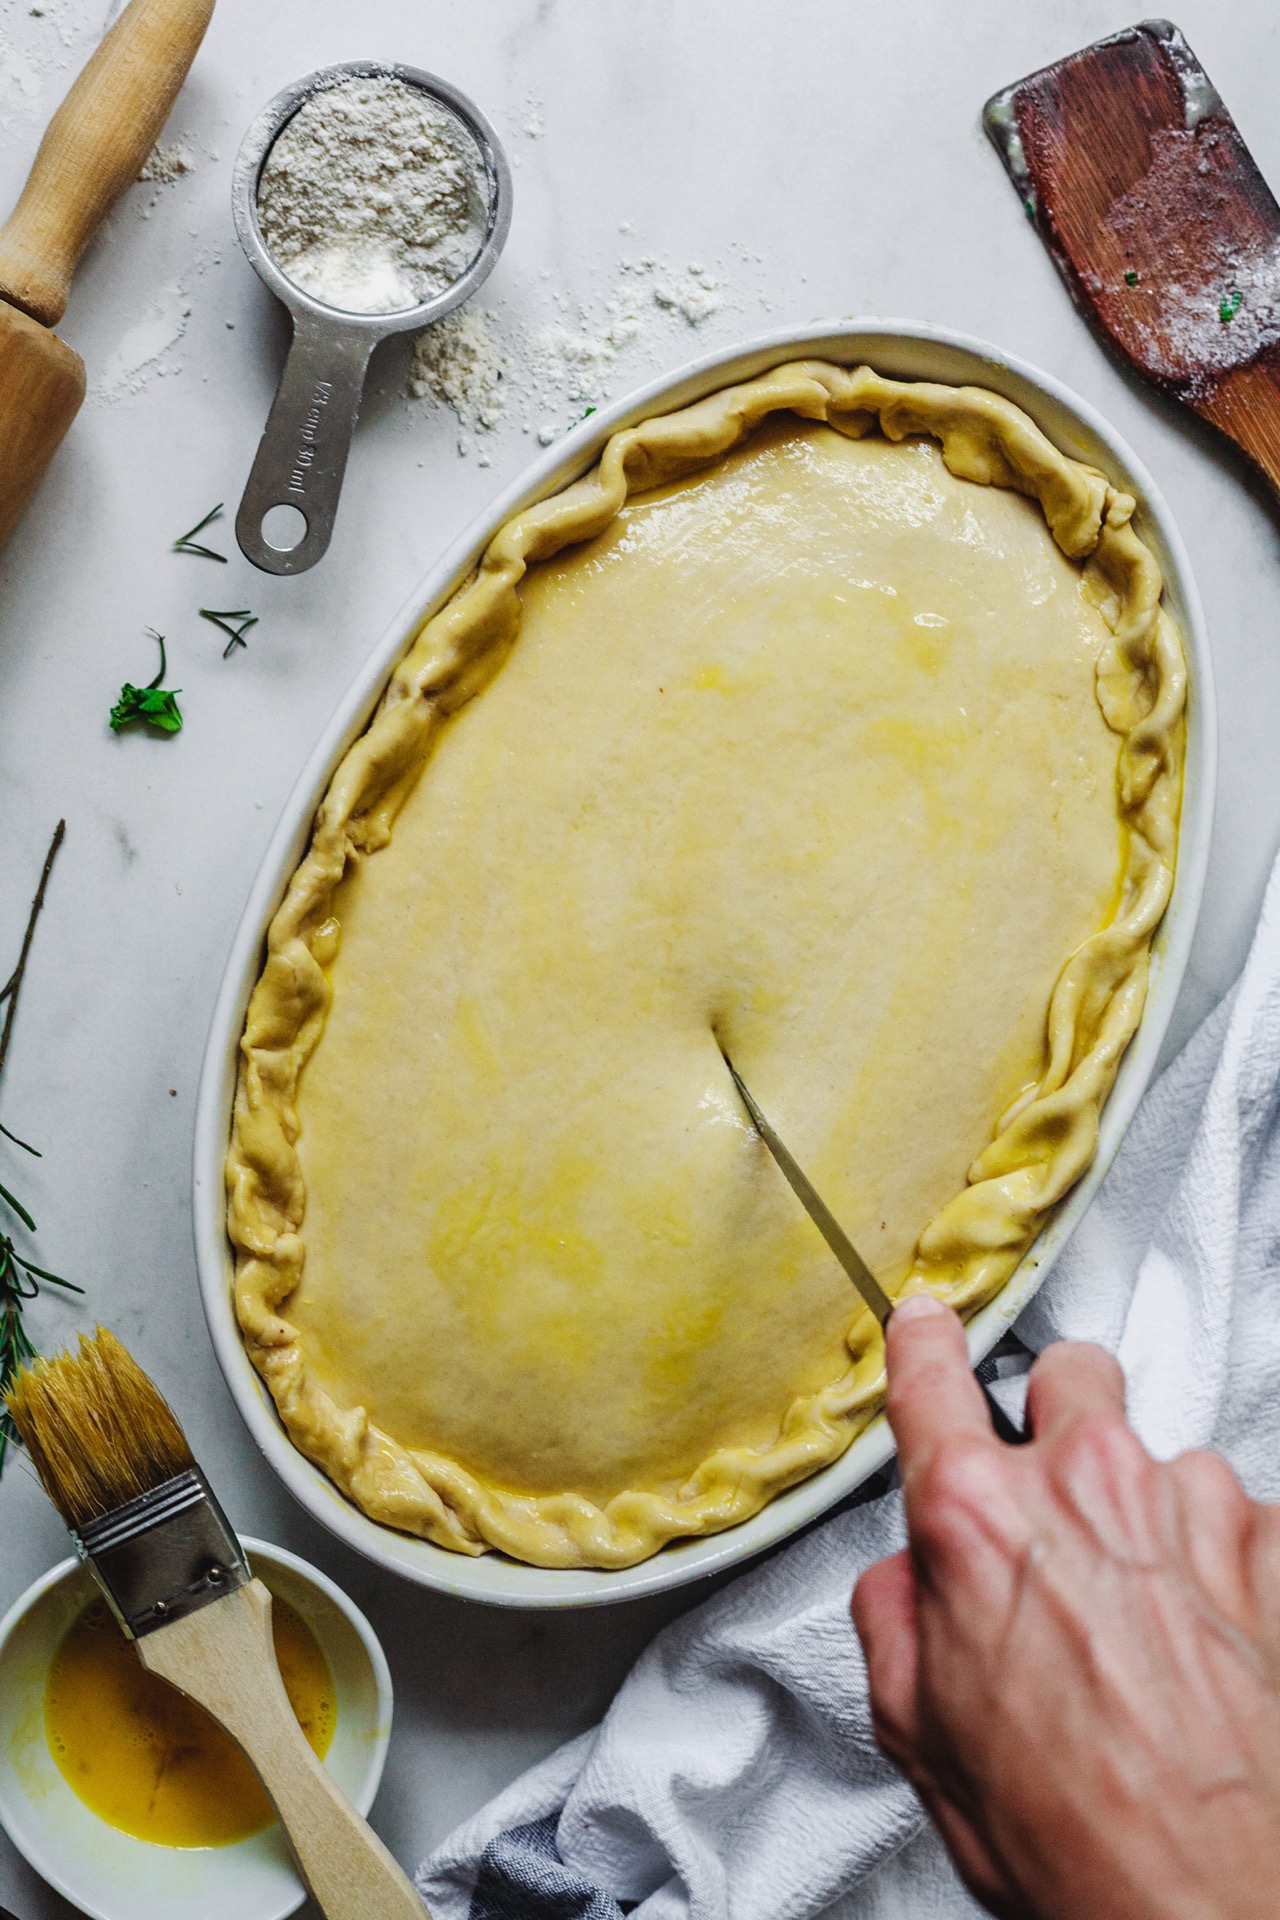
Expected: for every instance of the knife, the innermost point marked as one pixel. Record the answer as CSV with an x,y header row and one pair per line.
x,y
865,1282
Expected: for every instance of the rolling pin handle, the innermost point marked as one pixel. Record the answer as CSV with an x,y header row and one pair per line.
x,y
94,147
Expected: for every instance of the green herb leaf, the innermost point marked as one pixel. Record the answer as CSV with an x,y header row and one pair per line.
x,y
42,1273
11,1200
15,1348
154,705
1232,301
150,705
224,618
187,543
1130,278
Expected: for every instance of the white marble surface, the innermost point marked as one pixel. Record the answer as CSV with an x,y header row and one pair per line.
x,y
818,158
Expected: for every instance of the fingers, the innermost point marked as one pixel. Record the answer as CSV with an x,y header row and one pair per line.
x,y
1219,1530
933,1397
1072,1378
1264,1565
884,1613
973,1858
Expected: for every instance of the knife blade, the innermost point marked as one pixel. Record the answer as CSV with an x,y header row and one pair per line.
x,y
865,1282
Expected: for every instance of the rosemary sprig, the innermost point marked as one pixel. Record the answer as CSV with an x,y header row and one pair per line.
x,y
20,1281
187,542
154,704
20,1278
224,618
13,985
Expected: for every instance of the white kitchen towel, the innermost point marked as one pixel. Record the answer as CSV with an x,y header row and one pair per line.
x,y
735,1776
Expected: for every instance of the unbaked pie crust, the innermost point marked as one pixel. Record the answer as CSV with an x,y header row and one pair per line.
x,y
813,739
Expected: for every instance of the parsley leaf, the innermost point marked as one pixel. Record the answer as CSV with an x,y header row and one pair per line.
x,y
154,705
158,708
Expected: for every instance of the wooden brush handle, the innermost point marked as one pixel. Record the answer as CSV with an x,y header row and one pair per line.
x,y
223,1658
94,146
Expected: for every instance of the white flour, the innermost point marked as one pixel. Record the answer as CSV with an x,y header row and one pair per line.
x,y
460,362
36,44
167,162
695,298
545,372
145,351
374,197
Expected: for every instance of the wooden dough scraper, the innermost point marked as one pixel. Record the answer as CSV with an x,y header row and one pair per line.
x,y
94,147
1167,235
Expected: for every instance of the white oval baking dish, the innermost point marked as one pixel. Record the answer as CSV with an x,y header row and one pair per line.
x,y
903,350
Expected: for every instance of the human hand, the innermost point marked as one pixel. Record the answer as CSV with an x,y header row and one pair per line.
x,y
1077,1661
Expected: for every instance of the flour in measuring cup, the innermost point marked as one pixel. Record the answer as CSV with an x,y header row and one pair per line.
x,y
374,197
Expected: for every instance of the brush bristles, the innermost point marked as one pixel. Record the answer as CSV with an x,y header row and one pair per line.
x,y
98,1431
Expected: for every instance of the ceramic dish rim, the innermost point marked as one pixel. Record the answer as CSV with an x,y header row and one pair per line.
x,y
492,1578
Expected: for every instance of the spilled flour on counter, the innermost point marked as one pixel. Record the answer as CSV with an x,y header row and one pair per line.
x,y
37,43
142,353
695,298
167,162
460,362
544,375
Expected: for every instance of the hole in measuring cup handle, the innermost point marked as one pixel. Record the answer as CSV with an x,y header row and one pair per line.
x,y
284,527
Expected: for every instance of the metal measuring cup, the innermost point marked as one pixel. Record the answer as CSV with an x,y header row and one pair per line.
x,y
303,453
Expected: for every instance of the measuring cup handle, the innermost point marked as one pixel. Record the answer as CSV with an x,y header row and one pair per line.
x,y
303,452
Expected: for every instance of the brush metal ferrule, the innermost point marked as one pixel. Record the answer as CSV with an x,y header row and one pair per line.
x,y
164,1555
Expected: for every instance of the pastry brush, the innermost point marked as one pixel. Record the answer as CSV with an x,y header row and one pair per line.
x,y
145,1520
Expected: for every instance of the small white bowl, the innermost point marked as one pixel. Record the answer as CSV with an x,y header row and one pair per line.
x,y
108,1873
905,350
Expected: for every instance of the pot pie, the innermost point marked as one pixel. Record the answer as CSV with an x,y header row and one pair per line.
x,y
835,717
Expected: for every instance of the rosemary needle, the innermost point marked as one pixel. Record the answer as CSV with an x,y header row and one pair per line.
x,y
223,618
187,542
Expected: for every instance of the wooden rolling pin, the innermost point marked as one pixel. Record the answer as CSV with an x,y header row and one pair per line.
x,y
94,148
